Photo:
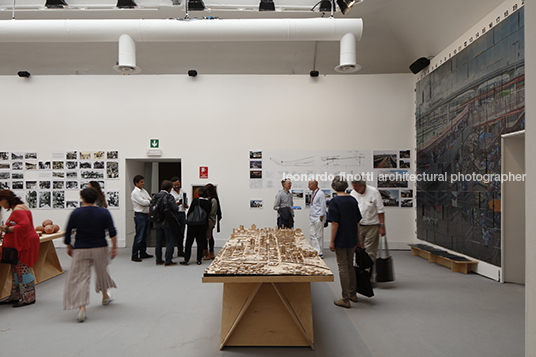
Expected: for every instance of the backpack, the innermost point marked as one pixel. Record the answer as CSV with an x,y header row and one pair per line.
x,y
156,209
196,216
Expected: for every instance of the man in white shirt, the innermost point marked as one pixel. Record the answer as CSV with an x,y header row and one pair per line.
x,y
182,202
141,202
372,225
317,213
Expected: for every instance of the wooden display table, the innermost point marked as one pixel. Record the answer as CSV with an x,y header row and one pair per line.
x,y
46,267
267,300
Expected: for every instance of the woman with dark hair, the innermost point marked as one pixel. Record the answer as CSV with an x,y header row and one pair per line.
x,y
344,215
198,231
19,233
213,220
88,224
101,199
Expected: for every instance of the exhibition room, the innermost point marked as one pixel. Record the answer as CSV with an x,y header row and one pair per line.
x,y
422,101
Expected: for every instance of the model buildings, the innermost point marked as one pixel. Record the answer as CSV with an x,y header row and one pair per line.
x,y
267,251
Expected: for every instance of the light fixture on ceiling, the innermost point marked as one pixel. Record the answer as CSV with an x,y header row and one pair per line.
x,y
266,5
23,74
326,5
55,4
175,2
126,4
192,73
196,5
345,5
314,73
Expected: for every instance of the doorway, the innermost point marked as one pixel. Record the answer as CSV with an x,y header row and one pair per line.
x,y
513,209
154,171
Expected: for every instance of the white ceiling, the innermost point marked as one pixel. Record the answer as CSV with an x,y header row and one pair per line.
x,y
395,33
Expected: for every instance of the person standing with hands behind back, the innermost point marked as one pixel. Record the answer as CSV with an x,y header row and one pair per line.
x,y
344,215
89,224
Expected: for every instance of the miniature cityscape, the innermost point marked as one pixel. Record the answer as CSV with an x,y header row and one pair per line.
x,y
267,251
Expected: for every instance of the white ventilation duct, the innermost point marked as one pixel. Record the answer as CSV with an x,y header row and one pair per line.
x,y
172,30
348,55
127,56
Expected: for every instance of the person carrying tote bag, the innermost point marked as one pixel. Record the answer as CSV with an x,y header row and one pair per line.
x,y
384,263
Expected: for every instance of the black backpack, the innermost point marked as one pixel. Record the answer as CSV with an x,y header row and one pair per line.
x,y
156,210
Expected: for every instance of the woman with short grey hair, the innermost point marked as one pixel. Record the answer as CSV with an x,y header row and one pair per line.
x,y
344,215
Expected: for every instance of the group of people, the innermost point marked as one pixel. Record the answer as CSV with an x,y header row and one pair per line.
x,y
175,206
357,220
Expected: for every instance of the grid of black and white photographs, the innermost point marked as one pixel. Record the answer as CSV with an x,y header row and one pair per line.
x,y
46,183
392,170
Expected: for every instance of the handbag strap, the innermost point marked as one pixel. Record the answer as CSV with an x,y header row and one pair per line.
x,y
386,249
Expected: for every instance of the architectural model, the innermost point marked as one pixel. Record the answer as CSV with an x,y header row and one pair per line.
x,y
267,251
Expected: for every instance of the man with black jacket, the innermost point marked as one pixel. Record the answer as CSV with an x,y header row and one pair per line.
x,y
163,230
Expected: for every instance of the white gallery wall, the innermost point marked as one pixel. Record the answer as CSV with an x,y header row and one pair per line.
x,y
211,121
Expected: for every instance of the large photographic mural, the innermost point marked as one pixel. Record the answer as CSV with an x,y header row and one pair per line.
x,y
463,108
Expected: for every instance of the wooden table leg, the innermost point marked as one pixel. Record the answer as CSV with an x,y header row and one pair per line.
x,y
266,314
48,264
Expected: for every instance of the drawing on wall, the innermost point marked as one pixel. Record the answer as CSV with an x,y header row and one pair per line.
x,y
304,161
351,159
71,155
85,155
460,117
5,166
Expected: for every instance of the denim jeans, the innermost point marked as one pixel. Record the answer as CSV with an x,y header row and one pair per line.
x,y
164,234
139,247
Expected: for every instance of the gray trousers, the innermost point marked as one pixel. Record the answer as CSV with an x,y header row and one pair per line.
x,y
345,261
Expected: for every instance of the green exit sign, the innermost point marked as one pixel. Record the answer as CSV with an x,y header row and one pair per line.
x,y
155,143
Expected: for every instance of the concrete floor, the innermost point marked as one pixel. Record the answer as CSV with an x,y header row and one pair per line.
x,y
167,311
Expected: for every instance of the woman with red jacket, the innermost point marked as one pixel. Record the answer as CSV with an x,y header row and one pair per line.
x,y
19,233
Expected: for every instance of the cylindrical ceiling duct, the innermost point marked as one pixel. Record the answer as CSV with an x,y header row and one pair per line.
x,y
318,29
127,56
348,55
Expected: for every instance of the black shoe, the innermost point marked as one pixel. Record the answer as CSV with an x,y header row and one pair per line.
x,y
136,259
184,263
171,264
145,256
159,263
21,304
199,262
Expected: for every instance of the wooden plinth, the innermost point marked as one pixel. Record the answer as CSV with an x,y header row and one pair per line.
x,y
46,267
456,266
267,314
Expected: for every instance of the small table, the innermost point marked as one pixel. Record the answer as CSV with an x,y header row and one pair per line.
x,y
272,307
46,267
